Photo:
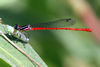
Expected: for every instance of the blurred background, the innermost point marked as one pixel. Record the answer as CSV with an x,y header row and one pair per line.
x,y
58,48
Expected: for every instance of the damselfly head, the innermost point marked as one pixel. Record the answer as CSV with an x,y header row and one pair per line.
x,y
16,26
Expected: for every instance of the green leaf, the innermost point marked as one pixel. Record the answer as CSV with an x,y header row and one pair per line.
x,y
14,57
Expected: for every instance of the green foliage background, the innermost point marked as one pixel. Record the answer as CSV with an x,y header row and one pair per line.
x,y
56,48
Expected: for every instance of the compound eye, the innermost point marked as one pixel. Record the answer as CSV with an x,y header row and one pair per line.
x,y
16,26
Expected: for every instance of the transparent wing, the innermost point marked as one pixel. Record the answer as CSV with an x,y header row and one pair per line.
x,y
58,23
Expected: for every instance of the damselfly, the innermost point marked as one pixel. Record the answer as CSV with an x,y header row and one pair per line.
x,y
54,25
17,31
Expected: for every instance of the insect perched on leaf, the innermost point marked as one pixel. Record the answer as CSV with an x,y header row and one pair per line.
x,y
18,31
